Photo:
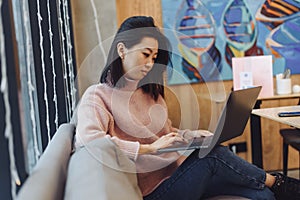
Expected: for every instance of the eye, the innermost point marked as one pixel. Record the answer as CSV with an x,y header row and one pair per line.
x,y
146,54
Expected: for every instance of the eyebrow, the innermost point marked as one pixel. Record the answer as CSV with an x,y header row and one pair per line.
x,y
150,50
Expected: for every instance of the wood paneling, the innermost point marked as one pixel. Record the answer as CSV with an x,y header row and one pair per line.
x,y
127,8
182,112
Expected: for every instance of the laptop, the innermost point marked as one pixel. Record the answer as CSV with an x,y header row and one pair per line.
x,y
231,123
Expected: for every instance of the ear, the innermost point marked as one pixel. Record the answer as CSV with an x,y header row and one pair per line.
x,y
121,49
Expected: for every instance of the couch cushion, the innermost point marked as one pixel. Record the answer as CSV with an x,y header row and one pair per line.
x,y
100,170
47,180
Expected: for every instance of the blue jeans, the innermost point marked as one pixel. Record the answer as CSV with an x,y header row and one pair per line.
x,y
221,172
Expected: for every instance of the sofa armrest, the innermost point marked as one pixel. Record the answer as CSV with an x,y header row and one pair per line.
x,y
99,170
47,180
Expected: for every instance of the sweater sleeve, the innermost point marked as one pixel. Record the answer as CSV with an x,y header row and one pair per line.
x,y
94,121
129,148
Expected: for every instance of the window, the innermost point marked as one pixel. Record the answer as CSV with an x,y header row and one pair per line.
x,y
40,70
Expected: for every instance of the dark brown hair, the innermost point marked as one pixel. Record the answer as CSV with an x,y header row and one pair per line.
x,y
130,33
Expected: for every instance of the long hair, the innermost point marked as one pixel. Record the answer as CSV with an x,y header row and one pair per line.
x,y
130,33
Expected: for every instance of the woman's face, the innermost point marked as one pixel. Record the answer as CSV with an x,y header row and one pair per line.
x,y
139,59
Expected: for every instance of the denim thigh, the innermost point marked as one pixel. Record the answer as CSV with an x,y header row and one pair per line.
x,y
221,172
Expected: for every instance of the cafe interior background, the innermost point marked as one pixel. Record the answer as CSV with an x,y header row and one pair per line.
x,y
48,47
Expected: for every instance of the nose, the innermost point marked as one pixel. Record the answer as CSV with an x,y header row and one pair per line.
x,y
150,63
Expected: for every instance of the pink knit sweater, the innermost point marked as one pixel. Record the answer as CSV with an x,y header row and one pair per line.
x,y
130,117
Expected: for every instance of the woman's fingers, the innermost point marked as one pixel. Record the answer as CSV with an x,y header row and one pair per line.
x,y
205,133
168,140
174,137
189,135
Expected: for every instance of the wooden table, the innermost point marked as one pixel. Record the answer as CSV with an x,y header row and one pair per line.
x,y
255,126
272,113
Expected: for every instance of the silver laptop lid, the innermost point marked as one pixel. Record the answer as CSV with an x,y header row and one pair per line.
x,y
236,113
231,122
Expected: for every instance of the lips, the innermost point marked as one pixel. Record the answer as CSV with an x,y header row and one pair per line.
x,y
145,72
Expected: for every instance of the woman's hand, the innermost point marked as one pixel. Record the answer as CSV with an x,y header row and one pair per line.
x,y
162,142
189,135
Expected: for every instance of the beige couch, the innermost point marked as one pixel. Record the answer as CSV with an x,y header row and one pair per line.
x,y
63,174
48,178
97,171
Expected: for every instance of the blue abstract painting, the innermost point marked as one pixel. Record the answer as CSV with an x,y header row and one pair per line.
x,y
207,34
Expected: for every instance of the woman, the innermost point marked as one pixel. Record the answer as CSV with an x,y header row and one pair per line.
x,y
128,106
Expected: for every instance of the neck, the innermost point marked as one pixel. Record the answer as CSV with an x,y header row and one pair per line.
x,y
130,84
